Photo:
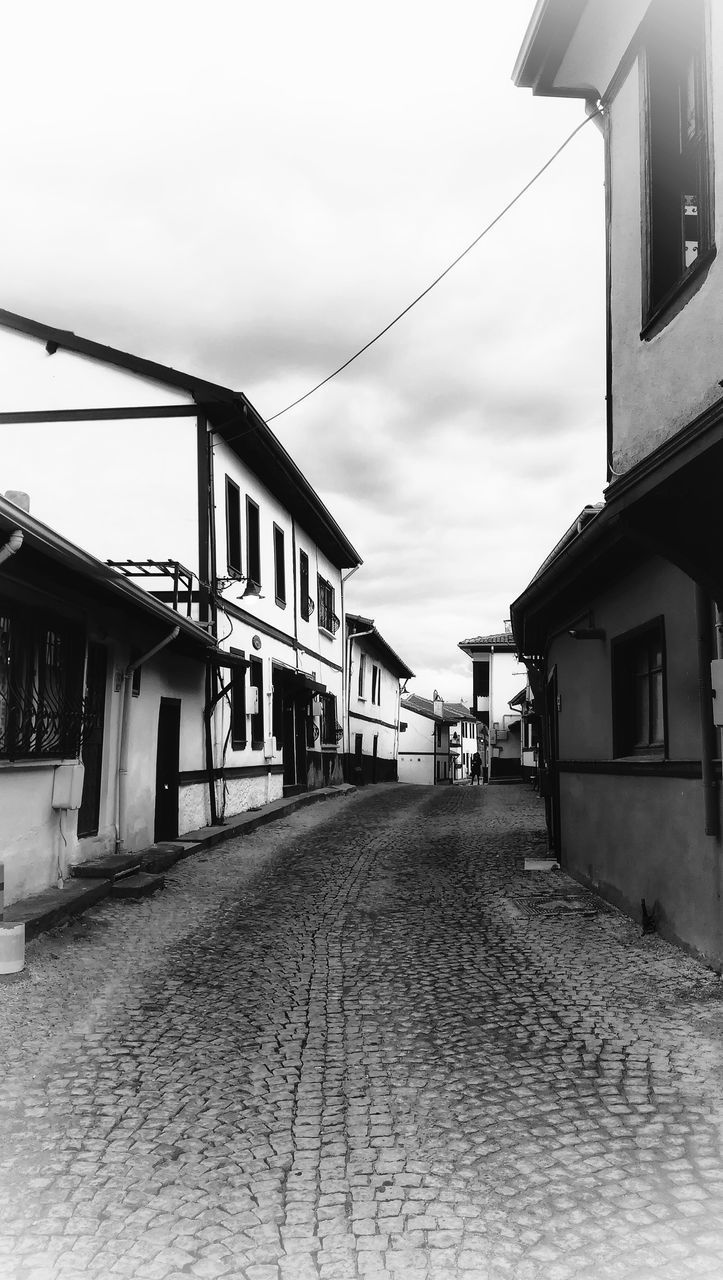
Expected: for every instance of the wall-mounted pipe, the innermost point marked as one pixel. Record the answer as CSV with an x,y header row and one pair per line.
x,y
123,719
13,545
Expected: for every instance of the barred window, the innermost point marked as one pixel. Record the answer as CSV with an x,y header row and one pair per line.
x,y
41,693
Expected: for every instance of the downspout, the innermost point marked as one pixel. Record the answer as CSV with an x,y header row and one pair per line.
x,y
124,718
207,585
354,635
13,544
707,734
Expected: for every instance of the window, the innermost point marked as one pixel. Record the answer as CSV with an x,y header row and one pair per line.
x,y
358,748
376,685
233,528
306,603
329,728
41,685
639,712
439,735
238,707
256,681
362,673
328,620
679,186
279,565
253,547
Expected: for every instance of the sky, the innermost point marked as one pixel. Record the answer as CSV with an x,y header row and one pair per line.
x,y
250,192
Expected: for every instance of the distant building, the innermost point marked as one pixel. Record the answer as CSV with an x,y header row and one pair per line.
x,y
374,676
424,741
496,672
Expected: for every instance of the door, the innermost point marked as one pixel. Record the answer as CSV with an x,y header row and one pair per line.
x,y
289,741
167,768
91,754
375,749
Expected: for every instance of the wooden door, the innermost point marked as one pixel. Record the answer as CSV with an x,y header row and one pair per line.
x,y
167,769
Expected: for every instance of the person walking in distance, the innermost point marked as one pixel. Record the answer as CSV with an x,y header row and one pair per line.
x,y
476,769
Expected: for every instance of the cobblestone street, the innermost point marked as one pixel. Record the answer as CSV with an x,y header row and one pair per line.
x,y
362,1042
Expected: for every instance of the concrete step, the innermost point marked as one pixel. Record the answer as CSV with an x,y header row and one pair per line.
x,y
55,906
111,867
140,885
162,856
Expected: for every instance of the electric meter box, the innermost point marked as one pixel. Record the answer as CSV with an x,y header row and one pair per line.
x,y
252,701
317,707
716,679
68,786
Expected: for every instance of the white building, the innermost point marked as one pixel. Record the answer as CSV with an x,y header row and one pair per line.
x,y
496,677
374,675
424,741
181,484
102,691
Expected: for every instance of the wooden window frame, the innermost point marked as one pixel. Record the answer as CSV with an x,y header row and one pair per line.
x,y
279,567
239,725
305,601
234,560
362,676
623,650
253,542
667,166
256,681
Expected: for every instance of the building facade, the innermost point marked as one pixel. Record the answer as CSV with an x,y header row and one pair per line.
x,y
621,623
101,707
496,673
426,757
181,485
375,675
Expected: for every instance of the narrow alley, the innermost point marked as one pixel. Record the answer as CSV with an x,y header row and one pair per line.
x,y
363,1042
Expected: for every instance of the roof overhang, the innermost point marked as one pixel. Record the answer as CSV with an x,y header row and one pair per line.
x,y
90,577
365,628
548,35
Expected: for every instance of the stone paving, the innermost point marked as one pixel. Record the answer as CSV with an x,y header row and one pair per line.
x,y
360,1043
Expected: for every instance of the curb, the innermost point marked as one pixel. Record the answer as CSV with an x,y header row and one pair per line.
x,y
53,907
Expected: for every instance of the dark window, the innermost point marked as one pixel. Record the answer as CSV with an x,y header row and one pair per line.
x,y
256,680
376,685
238,707
233,528
279,565
253,545
358,748
638,671
41,685
439,735
679,196
306,603
328,620
362,673
329,727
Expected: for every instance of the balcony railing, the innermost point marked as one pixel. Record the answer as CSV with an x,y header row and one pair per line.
x,y
328,620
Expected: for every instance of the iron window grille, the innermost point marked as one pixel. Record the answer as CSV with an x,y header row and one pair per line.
x,y
328,620
42,711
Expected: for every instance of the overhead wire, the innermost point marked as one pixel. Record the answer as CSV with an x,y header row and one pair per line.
x,y
485,231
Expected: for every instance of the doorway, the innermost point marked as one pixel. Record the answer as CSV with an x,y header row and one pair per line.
x,y
167,769
96,671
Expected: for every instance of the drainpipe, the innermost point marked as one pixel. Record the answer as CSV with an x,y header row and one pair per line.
x,y
710,786
124,718
13,544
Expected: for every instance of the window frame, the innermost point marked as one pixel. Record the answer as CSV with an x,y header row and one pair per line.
x,y
361,694
326,599
43,715
328,714
376,685
253,542
256,681
239,742
662,84
279,567
305,601
623,651
234,553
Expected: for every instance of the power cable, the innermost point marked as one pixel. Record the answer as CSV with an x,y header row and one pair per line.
x,y
442,274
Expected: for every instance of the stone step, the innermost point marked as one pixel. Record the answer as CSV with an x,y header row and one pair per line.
x,y
140,885
112,867
162,856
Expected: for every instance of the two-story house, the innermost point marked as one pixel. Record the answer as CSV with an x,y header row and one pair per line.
x,y
425,731
496,673
181,485
374,680
619,625
102,693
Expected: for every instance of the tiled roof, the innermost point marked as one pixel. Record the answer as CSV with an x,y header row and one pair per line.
x,y
499,640
425,707
355,623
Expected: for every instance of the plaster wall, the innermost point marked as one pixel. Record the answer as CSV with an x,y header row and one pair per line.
x,y
33,380
662,382
603,33
30,838
584,666
636,838
122,490
385,713
417,749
